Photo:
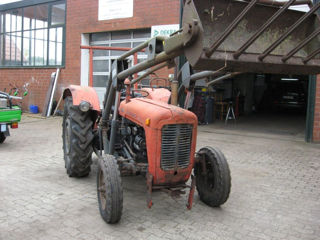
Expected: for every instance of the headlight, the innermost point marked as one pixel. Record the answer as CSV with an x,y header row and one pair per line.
x,y
84,106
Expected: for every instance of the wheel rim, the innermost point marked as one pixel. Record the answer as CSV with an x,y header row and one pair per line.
x,y
102,190
210,181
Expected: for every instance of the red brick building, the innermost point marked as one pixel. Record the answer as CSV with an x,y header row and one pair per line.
x,y
48,34
316,127
81,19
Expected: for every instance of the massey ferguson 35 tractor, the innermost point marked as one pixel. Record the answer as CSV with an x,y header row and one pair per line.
x,y
144,131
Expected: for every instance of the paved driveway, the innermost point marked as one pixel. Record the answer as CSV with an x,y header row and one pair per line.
x,y
275,192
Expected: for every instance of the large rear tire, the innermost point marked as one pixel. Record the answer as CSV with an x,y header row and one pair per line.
x,y
2,137
77,138
214,186
109,189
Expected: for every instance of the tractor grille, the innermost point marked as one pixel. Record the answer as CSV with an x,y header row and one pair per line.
x,y
176,146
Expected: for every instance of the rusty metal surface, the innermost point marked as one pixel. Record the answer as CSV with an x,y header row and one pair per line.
x,y
281,3
263,28
149,189
216,17
191,193
295,26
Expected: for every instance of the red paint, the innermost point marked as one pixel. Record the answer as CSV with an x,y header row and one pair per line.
x,y
107,48
160,114
80,94
316,127
191,193
158,94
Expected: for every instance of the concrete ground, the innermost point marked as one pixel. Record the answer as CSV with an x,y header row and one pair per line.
x,y
286,124
275,192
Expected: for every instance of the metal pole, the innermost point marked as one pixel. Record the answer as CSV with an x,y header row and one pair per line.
x,y
160,58
229,75
109,103
313,54
138,48
174,92
135,62
281,3
107,48
53,91
301,45
204,74
114,124
134,81
289,31
134,50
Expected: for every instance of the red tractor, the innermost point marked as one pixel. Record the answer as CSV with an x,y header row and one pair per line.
x,y
144,131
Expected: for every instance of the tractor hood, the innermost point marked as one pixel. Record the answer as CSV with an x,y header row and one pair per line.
x,y
159,114
139,110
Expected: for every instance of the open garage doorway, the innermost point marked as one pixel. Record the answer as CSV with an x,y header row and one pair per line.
x,y
263,104
280,104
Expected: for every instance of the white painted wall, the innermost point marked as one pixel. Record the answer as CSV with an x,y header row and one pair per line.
x,y
84,61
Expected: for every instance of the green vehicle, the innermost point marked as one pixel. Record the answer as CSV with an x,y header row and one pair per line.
x,y
10,115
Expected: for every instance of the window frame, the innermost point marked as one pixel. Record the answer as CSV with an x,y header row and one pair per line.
x,y
9,8
108,41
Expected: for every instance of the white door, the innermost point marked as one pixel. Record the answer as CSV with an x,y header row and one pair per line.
x,y
102,59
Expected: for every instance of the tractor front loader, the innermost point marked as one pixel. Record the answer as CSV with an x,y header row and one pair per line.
x,y
144,131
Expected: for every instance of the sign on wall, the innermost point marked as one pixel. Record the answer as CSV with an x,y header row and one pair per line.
x,y
113,9
164,30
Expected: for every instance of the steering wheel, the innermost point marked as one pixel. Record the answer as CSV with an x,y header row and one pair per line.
x,y
141,91
164,80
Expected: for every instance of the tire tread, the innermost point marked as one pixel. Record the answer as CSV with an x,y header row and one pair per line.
x,y
81,140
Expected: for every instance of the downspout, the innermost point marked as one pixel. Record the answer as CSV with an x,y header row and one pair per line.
x,y
311,108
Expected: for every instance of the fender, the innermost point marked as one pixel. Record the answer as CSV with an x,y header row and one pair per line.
x,y
80,93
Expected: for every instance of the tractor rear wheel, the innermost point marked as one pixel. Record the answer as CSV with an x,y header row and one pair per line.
x,y
77,138
213,179
2,137
109,189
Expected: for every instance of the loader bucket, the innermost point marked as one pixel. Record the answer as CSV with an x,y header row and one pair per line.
x,y
261,36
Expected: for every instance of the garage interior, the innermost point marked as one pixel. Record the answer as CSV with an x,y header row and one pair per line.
x,y
261,103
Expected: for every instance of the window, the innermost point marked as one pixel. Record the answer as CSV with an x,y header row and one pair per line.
x,y
102,58
33,36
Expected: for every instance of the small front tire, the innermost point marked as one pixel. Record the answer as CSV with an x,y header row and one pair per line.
x,y
213,185
109,189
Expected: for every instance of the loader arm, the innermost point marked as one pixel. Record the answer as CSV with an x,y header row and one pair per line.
x,y
231,36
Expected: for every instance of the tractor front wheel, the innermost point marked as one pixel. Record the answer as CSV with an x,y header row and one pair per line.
x,y
109,189
213,178
2,137
77,138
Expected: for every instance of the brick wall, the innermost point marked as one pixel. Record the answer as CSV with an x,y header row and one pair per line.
x,y
82,17
38,80
316,127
